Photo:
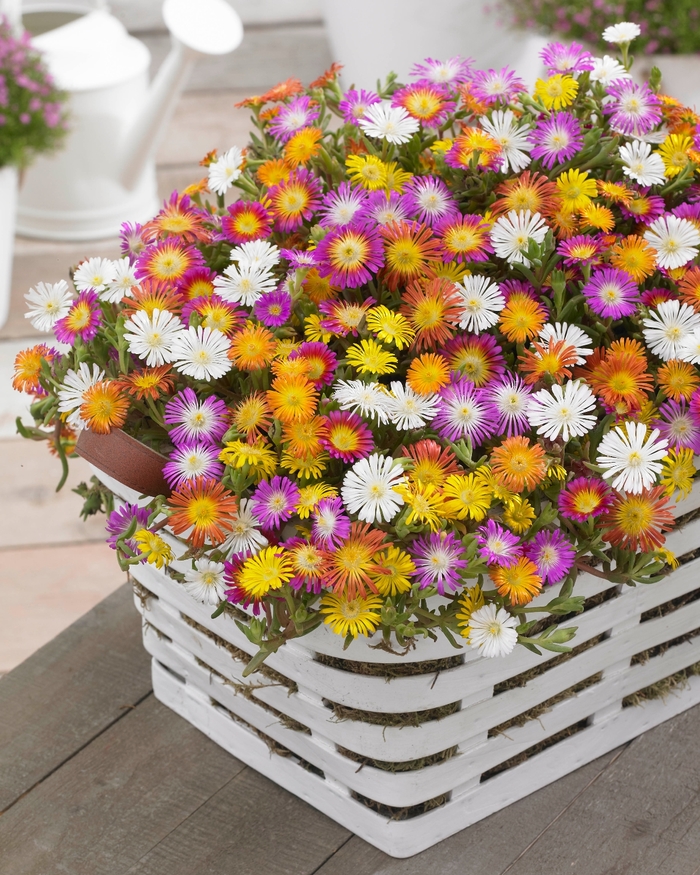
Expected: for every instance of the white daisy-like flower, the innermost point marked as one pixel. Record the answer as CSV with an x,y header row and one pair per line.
x,y
152,337
123,284
205,583
606,70
667,329
481,301
257,254
492,631
244,285
367,399
48,303
689,350
641,164
631,456
675,241
201,353
95,273
565,411
407,409
511,235
369,488
390,123
75,384
512,137
245,536
225,170
570,334
622,32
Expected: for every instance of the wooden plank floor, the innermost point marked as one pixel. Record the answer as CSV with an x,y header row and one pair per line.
x,y
98,778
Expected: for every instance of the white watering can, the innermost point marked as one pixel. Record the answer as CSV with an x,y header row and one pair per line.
x,y
105,174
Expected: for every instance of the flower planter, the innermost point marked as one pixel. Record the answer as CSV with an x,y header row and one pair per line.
x,y
8,201
497,730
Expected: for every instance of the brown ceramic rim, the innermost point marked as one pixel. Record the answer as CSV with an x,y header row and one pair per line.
x,y
126,459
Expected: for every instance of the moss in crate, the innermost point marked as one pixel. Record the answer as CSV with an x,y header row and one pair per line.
x,y
141,593
407,766
663,688
663,611
394,813
390,670
686,518
523,679
408,718
670,606
535,749
161,636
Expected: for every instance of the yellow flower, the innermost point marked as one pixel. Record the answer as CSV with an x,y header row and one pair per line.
x,y
395,178
674,153
152,546
309,497
259,456
598,216
575,190
269,569
425,503
556,92
369,357
390,571
389,326
518,514
367,171
466,496
677,472
667,557
471,600
305,469
353,617
313,330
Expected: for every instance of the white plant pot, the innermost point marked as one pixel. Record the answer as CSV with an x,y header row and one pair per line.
x,y
467,763
8,208
372,37
680,75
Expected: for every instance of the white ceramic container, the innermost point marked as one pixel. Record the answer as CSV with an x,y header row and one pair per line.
x,y
8,208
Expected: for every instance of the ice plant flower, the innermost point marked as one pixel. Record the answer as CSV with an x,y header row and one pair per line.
x,y
439,560
481,301
584,497
195,419
675,241
225,170
369,488
82,320
552,553
634,109
350,617
641,164
511,235
519,582
390,123
497,545
48,303
205,582
632,456
151,337
203,509
556,139
492,631
201,353
564,411
668,329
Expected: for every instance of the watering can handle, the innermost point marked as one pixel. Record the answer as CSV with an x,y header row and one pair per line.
x,y
197,28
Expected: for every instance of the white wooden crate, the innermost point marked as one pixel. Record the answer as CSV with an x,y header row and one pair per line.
x,y
283,723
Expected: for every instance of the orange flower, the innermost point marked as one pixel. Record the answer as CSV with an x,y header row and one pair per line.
x,y
302,146
252,348
689,287
147,383
434,311
252,416
519,583
273,172
637,522
548,359
292,399
432,463
408,248
350,565
522,317
428,374
517,465
153,295
204,510
678,379
619,375
330,75
635,256
104,407
28,368
529,191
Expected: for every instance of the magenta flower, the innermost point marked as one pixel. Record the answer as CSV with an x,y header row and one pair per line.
x,y
585,497
491,86
273,502
645,208
611,293
245,221
273,308
566,59
463,412
382,208
679,425
497,545
293,116
350,256
556,139
508,401
322,362
429,200
581,249
465,238
82,320
439,559
331,525
450,72
204,420
131,242
342,205
191,460
634,110
347,436
354,104
298,258
119,520
553,554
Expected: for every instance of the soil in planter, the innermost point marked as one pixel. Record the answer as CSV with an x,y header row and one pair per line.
x,y
394,813
663,688
391,670
409,718
663,611
407,766
535,749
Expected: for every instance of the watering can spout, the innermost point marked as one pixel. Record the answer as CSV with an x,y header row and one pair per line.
x,y
198,28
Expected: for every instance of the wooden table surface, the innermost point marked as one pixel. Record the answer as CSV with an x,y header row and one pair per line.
x,y
98,778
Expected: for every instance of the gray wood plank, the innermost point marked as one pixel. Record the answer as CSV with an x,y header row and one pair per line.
x,y
488,846
69,691
642,817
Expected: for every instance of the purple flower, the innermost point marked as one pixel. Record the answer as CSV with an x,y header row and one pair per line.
x,y
273,308
273,502
131,241
566,59
342,205
552,553
331,525
429,200
192,460
381,208
581,249
491,86
497,545
119,521
350,256
645,208
450,72
509,400
205,420
439,558
556,139
679,425
295,115
463,412
611,293
298,258
82,321
354,104
634,109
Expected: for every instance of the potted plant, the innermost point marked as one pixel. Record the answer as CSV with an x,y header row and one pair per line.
x,y
422,399
32,121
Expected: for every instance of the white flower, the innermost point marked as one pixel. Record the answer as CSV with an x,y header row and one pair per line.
x,y
667,330
390,123
369,488
481,302
367,399
641,165
562,410
627,452
244,284
407,409
48,303
570,334
123,284
152,337
245,536
201,353
622,32
95,273
205,582
258,254
512,233
675,240
606,70
492,631
689,350
511,136
225,170
75,383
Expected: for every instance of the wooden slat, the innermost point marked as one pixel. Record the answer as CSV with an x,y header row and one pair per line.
x,y
69,691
